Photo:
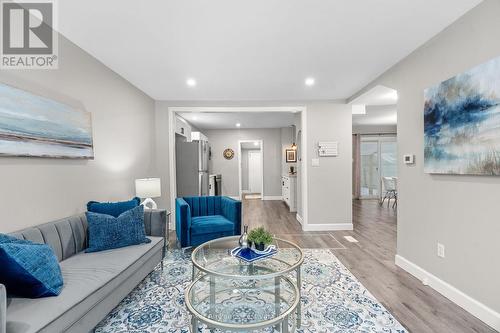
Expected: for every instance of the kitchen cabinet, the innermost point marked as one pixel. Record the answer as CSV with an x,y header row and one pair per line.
x,y
289,191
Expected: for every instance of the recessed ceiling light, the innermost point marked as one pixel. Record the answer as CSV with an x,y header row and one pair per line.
x,y
195,118
255,143
309,81
191,82
238,124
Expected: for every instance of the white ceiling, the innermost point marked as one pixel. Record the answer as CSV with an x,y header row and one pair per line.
x,y
250,145
253,50
378,95
376,116
228,120
381,108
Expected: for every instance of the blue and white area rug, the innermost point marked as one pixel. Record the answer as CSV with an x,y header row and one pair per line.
x,y
333,300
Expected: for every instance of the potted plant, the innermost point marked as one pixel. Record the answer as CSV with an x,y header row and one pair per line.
x,y
261,238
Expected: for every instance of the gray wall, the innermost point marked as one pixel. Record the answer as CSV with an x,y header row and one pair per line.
x,y
461,212
37,190
222,139
329,185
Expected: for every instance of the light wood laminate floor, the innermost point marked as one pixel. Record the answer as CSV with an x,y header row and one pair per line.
x,y
371,260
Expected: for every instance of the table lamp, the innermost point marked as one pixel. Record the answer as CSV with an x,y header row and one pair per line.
x,y
146,189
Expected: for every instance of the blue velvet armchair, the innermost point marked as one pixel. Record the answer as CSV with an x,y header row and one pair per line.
x,y
200,219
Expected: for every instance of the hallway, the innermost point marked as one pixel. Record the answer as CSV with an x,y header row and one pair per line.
x,y
371,260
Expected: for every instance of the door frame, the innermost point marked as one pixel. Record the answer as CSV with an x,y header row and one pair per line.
x,y
172,111
240,188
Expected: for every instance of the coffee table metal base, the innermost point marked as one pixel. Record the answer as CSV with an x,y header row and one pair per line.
x,y
280,321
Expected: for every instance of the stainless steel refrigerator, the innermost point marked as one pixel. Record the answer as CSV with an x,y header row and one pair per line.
x,y
191,167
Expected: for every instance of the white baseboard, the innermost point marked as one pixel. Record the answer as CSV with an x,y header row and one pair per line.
x,y
299,218
474,307
272,197
327,227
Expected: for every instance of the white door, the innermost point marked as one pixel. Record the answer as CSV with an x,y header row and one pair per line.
x,y
254,171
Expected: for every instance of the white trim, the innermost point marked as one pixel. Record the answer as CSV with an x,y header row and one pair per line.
x,y
237,109
304,165
171,143
299,218
171,160
272,197
474,307
327,227
261,166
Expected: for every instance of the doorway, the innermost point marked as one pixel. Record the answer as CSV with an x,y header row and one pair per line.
x,y
378,159
251,169
233,115
254,171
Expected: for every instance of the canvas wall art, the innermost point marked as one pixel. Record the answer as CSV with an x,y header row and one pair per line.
x,y
462,123
32,125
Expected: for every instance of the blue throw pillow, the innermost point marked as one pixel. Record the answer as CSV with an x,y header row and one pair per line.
x,y
108,232
113,208
29,269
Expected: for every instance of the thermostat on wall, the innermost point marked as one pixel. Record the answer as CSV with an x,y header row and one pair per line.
x,y
409,159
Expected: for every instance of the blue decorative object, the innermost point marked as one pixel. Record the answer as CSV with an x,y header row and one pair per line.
x,y
461,122
250,255
28,269
200,219
113,208
333,301
107,232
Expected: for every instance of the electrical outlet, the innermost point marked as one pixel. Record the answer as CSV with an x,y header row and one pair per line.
x,y
440,250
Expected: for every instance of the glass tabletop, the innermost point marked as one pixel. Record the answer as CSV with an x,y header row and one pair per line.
x,y
236,304
214,257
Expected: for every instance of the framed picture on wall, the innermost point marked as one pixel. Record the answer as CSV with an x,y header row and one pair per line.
x,y
291,155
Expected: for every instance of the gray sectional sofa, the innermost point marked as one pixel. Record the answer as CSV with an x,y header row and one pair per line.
x,y
94,283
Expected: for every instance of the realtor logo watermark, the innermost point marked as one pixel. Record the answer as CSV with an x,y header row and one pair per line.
x,y
29,37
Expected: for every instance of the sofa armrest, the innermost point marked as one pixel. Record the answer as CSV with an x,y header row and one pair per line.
x,y
182,221
155,221
3,309
231,209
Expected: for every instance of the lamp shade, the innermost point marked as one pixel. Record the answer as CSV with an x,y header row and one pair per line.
x,y
148,188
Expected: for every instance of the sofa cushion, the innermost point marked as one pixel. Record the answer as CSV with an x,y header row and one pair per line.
x,y
29,269
113,208
108,232
210,224
89,278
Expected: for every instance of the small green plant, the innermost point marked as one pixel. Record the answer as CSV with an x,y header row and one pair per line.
x,y
260,236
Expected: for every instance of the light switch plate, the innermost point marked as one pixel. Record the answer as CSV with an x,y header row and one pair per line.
x,y
440,250
315,162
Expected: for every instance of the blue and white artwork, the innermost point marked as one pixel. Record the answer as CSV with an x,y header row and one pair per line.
x,y
462,123
32,125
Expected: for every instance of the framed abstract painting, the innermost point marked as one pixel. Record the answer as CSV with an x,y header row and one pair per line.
x,y
32,125
462,123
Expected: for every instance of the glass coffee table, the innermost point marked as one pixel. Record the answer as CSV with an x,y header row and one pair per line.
x,y
231,294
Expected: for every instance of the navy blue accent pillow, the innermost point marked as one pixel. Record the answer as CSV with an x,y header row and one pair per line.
x,y
29,269
113,208
107,232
